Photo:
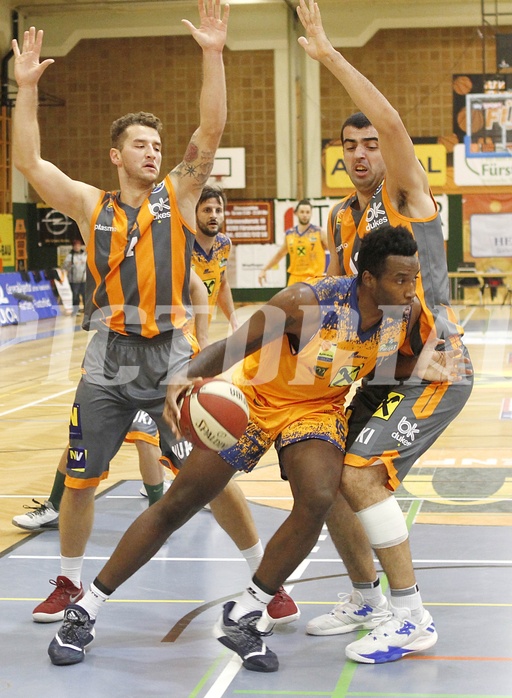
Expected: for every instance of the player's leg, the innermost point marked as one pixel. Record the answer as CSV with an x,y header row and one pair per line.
x,y
313,466
231,511
419,414
144,434
202,477
87,464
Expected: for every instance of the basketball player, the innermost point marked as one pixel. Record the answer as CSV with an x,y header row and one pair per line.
x,y
302,350
391,188
143,231
305,243
211,252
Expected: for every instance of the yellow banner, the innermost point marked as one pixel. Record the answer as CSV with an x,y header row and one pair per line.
x,y
432,157
6,240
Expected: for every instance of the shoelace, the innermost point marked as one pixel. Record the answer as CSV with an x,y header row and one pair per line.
x,y
36,511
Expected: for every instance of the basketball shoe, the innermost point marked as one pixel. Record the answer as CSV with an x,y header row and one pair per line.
x,y
243,637
64,594
352,613
393,639
282,609
76,632
41,517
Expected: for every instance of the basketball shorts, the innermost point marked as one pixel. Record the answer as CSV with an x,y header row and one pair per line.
x,y
328,426
120,376
398,424
143,428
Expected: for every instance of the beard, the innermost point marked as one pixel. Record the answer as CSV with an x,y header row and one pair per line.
x,y
209,232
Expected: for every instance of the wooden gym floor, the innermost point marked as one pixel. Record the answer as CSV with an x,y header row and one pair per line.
x,y
154,636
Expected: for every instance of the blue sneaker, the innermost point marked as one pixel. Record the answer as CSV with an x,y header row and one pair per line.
x,y
76,632
395,638
244,638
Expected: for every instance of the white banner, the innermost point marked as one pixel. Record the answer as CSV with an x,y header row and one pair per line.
x,y
480,171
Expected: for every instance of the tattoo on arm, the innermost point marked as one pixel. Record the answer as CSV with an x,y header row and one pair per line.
x,y
196,164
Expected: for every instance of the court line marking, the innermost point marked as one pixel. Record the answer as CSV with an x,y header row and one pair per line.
x,y
38,402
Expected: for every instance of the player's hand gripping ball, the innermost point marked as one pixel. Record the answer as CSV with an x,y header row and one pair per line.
x,y
214,414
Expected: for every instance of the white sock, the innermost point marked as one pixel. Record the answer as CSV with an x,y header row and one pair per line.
x,y
93,601
253,599
408,598
253,556
71,567
371,592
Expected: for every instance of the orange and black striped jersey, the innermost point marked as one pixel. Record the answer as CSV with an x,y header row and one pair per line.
x,y
138,265
280,382
307,255
211,267
348,226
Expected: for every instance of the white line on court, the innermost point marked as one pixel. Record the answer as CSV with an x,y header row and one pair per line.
x,y
38,402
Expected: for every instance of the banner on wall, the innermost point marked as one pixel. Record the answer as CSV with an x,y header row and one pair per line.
x,y
487,221
55,228
25,297
249,222
431,155
7,240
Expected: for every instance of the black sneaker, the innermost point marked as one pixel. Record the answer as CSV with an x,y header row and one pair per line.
x,y
76,632
243,638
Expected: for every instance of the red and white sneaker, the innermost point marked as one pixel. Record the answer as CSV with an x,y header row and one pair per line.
x,y
52,609
282,609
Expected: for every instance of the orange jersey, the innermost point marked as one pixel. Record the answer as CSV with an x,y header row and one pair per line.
x,y
211,267
283,386
307,255
348,226
138,265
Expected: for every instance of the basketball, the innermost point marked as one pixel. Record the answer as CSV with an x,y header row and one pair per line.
x,y
462,85
214,414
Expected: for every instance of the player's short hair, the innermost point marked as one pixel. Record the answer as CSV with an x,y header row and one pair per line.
x,y
119,126
303,202
380,244
357,120
212,192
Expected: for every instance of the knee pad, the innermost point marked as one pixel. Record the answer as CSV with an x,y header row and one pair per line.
x,y
384,524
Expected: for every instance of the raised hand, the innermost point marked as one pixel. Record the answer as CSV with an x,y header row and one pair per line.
x,y
212,31
315,43
27,68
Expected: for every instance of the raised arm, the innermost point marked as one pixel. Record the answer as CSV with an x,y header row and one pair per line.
x,y
73,198
405,176
190,176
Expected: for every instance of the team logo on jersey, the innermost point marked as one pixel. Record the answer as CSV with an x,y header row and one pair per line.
x,y
388,347
210,285
406,432
301,251
77,459
388,405
320,371
158,187
345,376
75,425
160,209
375,216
